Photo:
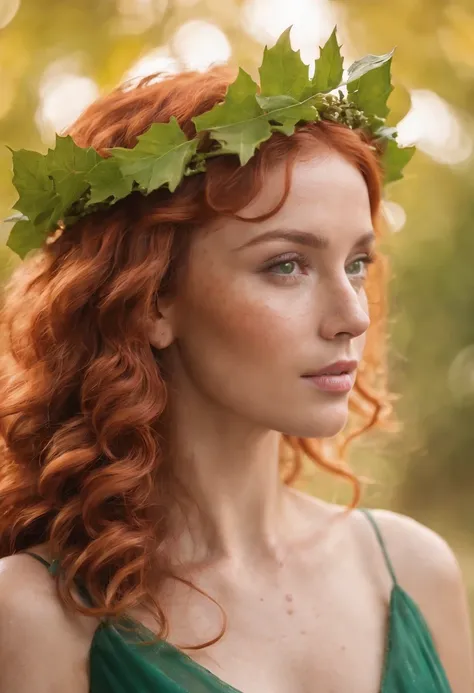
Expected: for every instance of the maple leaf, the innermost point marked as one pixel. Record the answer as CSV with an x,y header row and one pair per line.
x,y
69,167
394,159
368,83
282,71
69,181
37,196
25,236
159,158
238,124
284,112
107,183
329,67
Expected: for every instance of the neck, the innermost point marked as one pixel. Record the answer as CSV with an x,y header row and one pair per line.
x,y
229,469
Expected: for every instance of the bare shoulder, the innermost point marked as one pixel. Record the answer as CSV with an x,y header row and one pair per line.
x,y
427,569
42,646
417,552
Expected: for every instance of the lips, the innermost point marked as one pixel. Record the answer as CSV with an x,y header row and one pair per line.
x,y
336,379
337,368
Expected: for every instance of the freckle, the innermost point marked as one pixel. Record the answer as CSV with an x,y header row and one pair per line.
x,y
290,612
302,632
288,597
261,599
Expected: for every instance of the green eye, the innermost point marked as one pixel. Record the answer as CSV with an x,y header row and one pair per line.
x,y
356,267
286,267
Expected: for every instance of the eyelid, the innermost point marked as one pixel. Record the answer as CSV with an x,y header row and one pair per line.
x,y
302,263
286,257
369,257
292,256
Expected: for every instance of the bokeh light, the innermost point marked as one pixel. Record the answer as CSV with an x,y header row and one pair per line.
x,y
7,92
435,127
64,94
394,214
461,375
8,10
312,22
136,16
199,44
158,61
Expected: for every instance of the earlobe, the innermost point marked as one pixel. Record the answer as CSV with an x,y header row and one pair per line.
x,y
160,332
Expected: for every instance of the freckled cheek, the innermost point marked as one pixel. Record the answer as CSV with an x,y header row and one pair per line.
x,y
248,322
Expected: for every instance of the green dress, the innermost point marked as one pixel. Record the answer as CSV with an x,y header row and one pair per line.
x,y
121,663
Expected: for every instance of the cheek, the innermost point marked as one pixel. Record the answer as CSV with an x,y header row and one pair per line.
x,y
242,322
244,318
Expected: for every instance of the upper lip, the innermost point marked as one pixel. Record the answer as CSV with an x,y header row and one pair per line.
x,y
337,368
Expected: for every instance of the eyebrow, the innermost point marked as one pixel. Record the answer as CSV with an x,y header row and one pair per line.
x,y
303,238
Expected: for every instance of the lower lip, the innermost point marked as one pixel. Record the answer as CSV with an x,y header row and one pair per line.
x,y
332,383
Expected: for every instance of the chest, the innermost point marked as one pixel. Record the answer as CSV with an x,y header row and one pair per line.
x,y
291,634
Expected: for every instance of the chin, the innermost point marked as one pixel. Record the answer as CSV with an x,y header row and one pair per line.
x,y
327,422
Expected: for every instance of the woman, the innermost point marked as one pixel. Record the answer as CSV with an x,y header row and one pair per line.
x,y
156,350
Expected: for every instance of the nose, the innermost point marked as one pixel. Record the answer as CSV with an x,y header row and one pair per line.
x,y
346,311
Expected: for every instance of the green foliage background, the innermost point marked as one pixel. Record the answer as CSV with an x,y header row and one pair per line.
x,y
427,469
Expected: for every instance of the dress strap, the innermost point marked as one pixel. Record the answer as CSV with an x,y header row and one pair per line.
x,y
52,567
381,543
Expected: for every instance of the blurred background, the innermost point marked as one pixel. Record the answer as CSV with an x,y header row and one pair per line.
x,y
56,56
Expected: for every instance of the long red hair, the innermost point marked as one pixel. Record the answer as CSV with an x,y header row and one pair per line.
x,y
83,466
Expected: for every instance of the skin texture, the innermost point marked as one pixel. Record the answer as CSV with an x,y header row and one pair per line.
x,y
303,584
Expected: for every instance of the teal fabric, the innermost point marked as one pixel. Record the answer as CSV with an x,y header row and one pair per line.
x,y
412,664
121,662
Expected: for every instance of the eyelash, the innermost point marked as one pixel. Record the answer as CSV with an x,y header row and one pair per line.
x,y
304,263
302,260
367,259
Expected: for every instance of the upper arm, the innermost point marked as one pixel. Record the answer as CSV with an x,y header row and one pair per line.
x,y
428,571
42,648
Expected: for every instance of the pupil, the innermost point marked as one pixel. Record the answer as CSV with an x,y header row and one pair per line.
x,y
356,266
287,267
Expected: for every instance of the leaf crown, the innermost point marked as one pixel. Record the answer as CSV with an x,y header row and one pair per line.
x,y
69,182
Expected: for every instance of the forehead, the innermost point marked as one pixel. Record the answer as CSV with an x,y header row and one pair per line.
x,y
327,196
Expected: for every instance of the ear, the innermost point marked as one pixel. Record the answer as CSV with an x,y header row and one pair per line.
x,y
161,331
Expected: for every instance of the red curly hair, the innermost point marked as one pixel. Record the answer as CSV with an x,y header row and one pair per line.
x,y
83,467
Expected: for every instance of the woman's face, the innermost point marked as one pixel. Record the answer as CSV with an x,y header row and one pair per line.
x,y
264,307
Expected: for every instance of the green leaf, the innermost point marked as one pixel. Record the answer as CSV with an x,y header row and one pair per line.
x,y
35,188
282,70
159,158
243,141
69,181
367,64
329,67
25,236
108,183
284,112
394,159
238,124
69,166
369,83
